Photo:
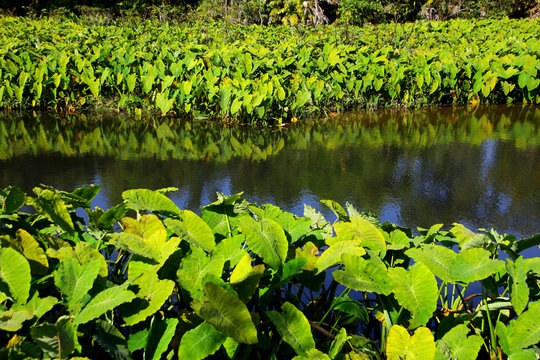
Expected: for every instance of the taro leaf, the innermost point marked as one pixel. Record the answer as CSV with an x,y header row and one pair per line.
x,y
437,258
244,270
12,320
338,342
526,243
149,200
75,280
525,330
87,193
138,340
159,337
468,239
83,252
519,290
51,205
295,228
106,300
194,267
317,219
148,227
266,239
15,273
308,252
192,229
293,327
400,345
12,199
151,296
364,275
337,209
227,314
290,268
135,245
361,229
200,342
416,290
312,354
111,340
398,240
37,306
33,252
106,219
332,255
473,265
455,344
58,340
231,249
352,310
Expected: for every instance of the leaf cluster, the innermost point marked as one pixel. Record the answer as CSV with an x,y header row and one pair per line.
x,y
145,279
264,74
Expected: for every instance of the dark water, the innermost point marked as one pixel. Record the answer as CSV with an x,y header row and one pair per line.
x,y
415,168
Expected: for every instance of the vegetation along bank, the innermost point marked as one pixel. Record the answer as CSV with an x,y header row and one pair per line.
x,y
145,279
255,74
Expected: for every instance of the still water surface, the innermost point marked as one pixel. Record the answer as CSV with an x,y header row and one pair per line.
x,y
415,168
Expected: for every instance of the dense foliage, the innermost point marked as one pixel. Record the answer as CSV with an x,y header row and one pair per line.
x,y
145,279
252,74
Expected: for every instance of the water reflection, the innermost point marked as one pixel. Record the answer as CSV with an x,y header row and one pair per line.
x,y
417,168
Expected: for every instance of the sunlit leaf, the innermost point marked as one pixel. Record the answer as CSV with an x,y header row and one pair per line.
x,y
15,273
227,314
402,346
437,258
293,327
473,265
332,255
363,275
106,300
144,199
416,290
455,344
75,280
266,239
200,342
361,229
193,229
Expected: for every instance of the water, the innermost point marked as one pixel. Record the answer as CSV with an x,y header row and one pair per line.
x,y
477,167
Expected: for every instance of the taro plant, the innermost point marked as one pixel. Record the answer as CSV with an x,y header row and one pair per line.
x,y
145,279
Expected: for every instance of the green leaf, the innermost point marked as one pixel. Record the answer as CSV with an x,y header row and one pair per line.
x,y
312,354
58,340
293,327
111,340
200,342
523,79
194,267
193,229
37,306
144,199
164,103
337,209
473,265
75,280
12,320
525,330
437,258
266,239
135,245
159,337
416,290
332,255
152,294
12,199
519,290
361,229
455,344
401,346
15,273
227,314
106,300
54,208
30,248
363,275
338,342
